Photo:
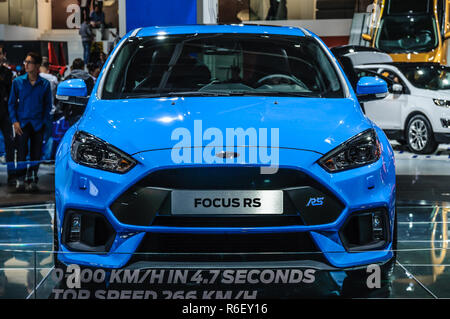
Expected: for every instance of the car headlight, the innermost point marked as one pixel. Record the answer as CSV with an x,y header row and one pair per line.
x,y
363,149
91,151
443,103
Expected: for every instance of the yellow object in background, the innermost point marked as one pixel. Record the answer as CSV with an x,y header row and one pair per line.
x,y
410,31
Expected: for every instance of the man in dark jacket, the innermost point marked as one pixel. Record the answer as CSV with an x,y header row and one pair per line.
x,y
98,16
77,72
5,123
72,114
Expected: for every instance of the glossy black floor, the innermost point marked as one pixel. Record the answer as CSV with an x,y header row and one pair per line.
x,y
422,269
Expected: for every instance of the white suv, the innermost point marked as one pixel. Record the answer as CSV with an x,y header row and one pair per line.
x,y
417,110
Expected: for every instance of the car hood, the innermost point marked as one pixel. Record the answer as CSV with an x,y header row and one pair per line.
x,y
434,94
440,94
144,124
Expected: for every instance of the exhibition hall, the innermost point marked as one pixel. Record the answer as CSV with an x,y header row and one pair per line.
x,y
224,150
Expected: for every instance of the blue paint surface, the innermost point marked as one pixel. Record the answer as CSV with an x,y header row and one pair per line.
x,y
308,128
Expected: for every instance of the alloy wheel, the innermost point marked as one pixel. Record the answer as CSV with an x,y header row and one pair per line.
x,y
418,135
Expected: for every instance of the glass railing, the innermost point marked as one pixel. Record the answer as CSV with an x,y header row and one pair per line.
x,y
33,275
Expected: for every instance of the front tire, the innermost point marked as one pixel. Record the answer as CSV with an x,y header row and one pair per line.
x,y
420,136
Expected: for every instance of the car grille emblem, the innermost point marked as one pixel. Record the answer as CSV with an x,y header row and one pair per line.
x,y
227,155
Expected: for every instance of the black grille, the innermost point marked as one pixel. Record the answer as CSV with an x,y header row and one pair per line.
x,y
228,221
227,247
149,201
216,178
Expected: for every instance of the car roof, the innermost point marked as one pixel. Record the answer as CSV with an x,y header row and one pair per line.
x,y
351,48
232,28
369,57
375,65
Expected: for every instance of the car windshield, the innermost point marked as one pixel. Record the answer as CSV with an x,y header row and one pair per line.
x,y
402,6
434,77
410,33
221,64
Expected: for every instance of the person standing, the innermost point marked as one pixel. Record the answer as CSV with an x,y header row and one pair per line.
x,y
94,70
77,72
6,77
98,19
86,38
71,113
29,105
45,73
277,10
98,3
85,6
103,57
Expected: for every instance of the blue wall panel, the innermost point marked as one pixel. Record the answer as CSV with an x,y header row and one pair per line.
x,y
144,13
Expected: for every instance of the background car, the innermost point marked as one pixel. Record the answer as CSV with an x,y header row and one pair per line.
x,y
122,200
350,56
410,31
417,110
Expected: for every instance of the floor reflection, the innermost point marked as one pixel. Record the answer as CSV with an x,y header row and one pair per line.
x,y
421,270
25,231
424,244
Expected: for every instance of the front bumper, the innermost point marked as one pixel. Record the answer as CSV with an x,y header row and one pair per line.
x,y
86,189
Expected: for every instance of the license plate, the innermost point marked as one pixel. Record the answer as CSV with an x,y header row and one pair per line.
x,y
226,202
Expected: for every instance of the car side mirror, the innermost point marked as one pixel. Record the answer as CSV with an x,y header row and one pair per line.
x,y
366,37
73,92
370,88
397,88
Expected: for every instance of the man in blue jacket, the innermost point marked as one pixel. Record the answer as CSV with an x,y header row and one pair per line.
x,y
29,105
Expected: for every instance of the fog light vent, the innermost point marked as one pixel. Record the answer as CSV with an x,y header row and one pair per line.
x,y
75,228
377,226
87,231
366,230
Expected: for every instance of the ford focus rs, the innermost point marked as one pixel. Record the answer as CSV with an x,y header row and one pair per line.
x,y
223,144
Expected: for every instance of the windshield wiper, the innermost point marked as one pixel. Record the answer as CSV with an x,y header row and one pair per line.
x,y
141,95
197,93
272,93
167,94
221,93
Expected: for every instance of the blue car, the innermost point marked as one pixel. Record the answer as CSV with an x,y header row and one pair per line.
x,y
224,144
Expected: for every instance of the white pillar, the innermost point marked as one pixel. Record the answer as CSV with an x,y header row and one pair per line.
x,y
207,11
122,17
44,13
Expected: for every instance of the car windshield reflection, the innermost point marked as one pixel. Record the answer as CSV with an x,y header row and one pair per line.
x,y
431,77
404,34
208,64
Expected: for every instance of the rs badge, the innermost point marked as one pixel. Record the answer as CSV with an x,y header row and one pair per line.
x,y
315,201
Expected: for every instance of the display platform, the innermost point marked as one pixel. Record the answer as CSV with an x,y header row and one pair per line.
x,y
420,271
